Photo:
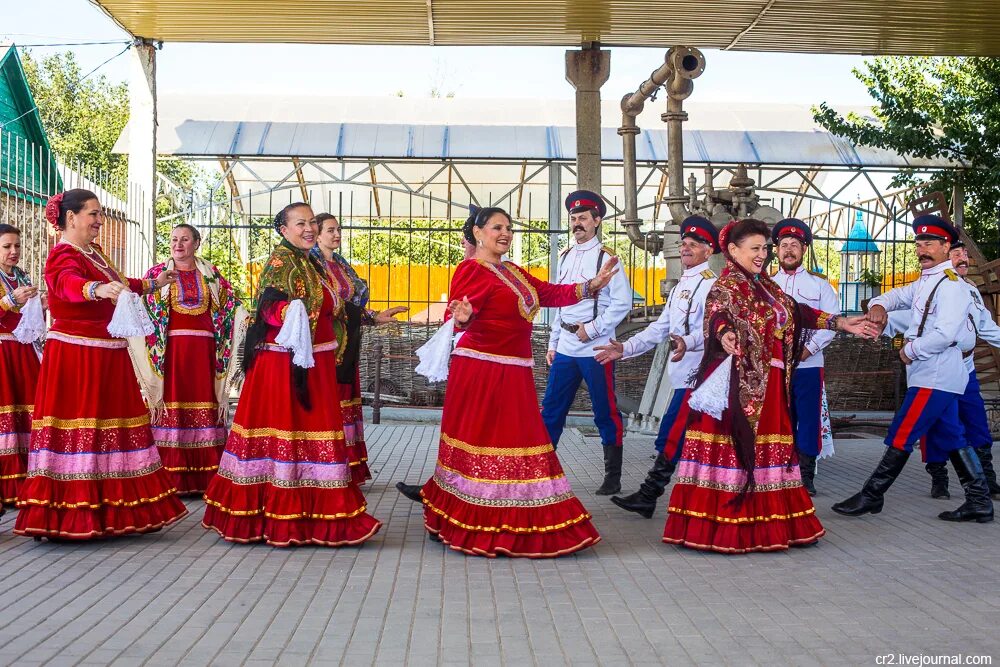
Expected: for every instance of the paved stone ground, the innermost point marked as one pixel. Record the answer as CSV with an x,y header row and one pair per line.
x,y
900,582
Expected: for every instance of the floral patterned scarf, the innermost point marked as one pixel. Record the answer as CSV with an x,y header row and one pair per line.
x,y
223,307
756,309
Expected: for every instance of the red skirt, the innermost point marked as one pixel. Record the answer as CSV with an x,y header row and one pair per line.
x,y
19,366
284,477
93,470
775,514
354,430
498,487
188,435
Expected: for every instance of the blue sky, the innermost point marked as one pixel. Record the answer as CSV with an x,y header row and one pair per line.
x,y
475,72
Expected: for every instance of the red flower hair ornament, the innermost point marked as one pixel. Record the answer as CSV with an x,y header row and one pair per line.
x,y
724,237
52,209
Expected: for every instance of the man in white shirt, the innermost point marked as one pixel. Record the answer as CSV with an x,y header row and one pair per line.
x,y
577,329
682,322
791,238
936,377
971,409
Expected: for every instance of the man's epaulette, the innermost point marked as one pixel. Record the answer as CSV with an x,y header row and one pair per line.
x,y
951,274
707,273
608,250
818,275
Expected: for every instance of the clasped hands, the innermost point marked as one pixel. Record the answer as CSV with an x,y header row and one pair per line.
x,y
114,289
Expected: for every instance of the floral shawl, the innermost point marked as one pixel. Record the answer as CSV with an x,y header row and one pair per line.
x,y
300,275
223,307
738,302
749,305
225,311
361,294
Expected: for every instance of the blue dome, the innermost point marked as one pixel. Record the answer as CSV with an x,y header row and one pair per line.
x,y
859,240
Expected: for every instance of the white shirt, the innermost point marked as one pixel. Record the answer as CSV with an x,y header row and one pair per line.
x,y
817,292
683,315
578,264
985,327
937,357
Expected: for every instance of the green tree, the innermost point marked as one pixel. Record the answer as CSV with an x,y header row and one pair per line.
x,y
935,107
82,117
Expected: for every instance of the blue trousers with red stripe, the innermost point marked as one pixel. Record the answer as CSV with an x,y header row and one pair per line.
x,y
807,405
929,416
670,438
972,412
565,376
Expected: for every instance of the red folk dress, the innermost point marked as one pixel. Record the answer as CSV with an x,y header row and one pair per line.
x,y
350,392
188,435
708,509
19,367
284,477
498,487
93,470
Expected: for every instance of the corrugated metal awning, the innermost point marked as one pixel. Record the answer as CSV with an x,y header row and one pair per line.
x,y
268,126
914,27
259,139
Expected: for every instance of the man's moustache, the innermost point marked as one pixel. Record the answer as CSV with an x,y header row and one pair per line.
x,y
925,257
578,228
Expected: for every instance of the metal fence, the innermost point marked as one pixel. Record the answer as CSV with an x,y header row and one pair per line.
x,y
30,174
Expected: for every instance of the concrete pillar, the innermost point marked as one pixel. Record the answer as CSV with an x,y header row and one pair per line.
x,y
588,70
142,156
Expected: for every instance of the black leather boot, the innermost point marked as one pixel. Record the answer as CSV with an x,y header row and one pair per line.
x,y
871,497
977,506
643,501
612,471
986,458
807,468
411,491
939,479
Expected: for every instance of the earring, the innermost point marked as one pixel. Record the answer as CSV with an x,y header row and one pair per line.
x,y
480,243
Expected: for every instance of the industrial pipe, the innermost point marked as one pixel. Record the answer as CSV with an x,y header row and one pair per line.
x,y
681,65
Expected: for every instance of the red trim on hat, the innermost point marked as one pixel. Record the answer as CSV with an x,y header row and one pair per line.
x,y
791,230
701,233
932,230
589,203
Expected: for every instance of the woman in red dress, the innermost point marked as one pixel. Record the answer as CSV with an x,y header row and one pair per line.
x,y
498,487
353,291
284,477
93,470
189,353
18,366
738,487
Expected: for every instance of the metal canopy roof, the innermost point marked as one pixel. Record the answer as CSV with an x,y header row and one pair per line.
x,y
906,27
485,130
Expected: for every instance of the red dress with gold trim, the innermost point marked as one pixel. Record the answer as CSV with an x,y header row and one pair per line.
x,y
93,470
19,367
712,507
350,392
188,435
498,487
284,477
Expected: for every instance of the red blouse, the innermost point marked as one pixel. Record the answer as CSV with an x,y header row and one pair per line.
x,y
505,299
69,275
8,318
191,302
